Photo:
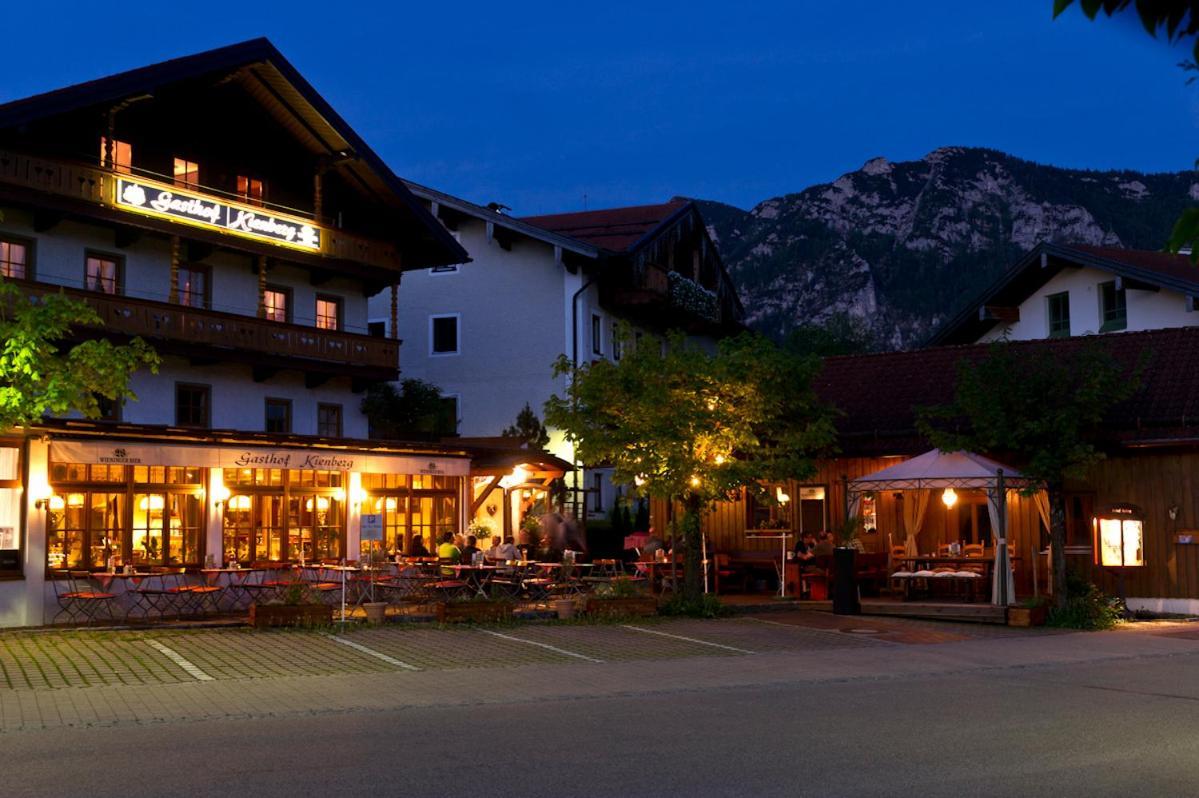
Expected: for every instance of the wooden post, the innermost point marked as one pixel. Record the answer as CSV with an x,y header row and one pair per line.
x,y
261,263
108,135
173,295
395,310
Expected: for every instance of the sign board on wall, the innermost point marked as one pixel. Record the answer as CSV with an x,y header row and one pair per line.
x,y
371,527
171,202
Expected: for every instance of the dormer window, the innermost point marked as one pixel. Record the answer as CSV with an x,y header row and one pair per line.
x,y
250,190
187,173
121,155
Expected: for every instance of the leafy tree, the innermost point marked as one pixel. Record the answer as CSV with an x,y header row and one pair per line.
x,y
40,373
528,428
1044,408
686,425
416,411
839,335
1178,20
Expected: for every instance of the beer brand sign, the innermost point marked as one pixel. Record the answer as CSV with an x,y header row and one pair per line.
x,y
170,202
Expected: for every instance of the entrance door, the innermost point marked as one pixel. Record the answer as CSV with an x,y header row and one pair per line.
x,y
812,511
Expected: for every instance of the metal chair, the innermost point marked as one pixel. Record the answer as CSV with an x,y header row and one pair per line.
x,y
164,592
77,598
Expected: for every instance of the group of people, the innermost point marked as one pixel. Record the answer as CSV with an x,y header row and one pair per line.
x,y
814,544
558,534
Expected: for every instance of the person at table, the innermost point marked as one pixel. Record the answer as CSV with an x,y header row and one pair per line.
x,y
805,548
448,553
493,553
417,547
824,544
470,549
503,551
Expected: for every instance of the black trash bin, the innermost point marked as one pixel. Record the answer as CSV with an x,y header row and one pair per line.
x,y
845,582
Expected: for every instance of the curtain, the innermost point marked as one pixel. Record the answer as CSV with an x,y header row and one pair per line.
x,y
1003,586
1041,499
915,506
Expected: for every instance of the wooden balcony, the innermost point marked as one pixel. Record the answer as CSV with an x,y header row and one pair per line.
x,y
200,333
92,185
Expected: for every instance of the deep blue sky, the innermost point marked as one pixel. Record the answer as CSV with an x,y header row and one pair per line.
x,y
539,104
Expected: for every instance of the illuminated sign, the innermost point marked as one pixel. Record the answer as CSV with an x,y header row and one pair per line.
x,y
171,202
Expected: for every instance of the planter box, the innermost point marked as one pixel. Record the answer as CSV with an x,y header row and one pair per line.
x,y
622,607
263,616
1027,616
473,611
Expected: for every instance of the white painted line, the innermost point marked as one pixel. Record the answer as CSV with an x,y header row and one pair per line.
x,y
370,652
555,649
175,657
688,639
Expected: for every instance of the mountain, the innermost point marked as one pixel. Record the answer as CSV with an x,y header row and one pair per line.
x,y
896,248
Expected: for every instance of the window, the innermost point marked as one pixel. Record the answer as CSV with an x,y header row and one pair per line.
x,y
278,415
194,286
1059,314
187,173
276,304
616,343
451,268
250,190
122,155
597,334
110,409
448,423
443,335
376,329
328,312
14,259
102,273
1113,307
328,420
11,495
597,483
1080,509
192,405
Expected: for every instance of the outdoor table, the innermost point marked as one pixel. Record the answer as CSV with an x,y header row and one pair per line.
x,y
234,581
931,561
648,567
475,576
781,537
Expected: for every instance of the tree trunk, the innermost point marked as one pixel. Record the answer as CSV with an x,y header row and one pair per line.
x,y
693,587
1057,542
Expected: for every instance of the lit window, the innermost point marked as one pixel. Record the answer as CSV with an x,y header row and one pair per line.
x,y
274,302
103,274
444,335
187,173
14,260
1113,307
250,189
328,420
278,415
193,286
328,313
122,155
1058,308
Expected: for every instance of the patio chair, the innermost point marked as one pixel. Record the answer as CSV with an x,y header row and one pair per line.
x,y
901,573
77,598
163,592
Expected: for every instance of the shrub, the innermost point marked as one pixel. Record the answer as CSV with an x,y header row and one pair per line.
x,y
707,606
1087,607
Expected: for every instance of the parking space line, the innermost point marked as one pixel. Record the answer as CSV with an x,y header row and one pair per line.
x,y
688,639
546,646
370,652
177,658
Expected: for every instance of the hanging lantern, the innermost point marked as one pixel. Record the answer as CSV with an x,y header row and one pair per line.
x,y
1119,537
950,497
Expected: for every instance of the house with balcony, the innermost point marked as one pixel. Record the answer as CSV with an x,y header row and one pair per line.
x,y
217,206
1058,291
487,333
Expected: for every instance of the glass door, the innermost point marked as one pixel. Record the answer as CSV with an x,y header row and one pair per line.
x,y
238,529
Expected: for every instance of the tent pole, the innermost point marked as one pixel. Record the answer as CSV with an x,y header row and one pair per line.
x,y
1001,512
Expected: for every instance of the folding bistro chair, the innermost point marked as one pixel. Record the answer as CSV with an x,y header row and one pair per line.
x,y
164,592
78,598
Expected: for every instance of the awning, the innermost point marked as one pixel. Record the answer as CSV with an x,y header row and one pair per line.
x,y
938,469
112,452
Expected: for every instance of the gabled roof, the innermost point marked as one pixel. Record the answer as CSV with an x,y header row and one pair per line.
x,y
514,224
283,91
614,229
878,394
1137,267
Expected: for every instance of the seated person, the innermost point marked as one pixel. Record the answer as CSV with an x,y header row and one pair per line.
x,y
447,552
493,553
506,550
805,548
824,544
417,548
469,551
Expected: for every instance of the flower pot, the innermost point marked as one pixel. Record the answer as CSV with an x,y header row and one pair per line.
x,y
565,609
263,616
845,582
376,612
1027,616
622,606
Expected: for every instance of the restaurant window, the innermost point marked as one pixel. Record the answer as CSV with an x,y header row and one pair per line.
x,y
423,506
194,286
192,405
186,173
102,273
443,335
764,510
276,304
278,416
250,190
1058,308
597,334
283,515
1113,307
10,508
328,312
328,420
122,155
14,259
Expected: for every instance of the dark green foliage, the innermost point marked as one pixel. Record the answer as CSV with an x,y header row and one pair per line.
x,y
840,335
417,411
706,605
1087,607
528,428
641,518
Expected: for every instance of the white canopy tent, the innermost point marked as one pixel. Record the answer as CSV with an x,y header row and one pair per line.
x,y
937,470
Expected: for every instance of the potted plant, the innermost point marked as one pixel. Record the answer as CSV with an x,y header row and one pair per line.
x,y
1030,612
294,607
845,579
621,598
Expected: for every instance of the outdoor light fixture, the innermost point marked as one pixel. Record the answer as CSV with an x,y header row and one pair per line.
x,y
220,495
639,480
695,481
57,504
41,492
781,497
519,476
1119,537
950,497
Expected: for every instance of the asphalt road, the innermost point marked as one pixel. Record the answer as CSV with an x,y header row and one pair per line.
x,y
1120,728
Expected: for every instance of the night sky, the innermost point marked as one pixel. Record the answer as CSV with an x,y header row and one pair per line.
x,y
541,105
